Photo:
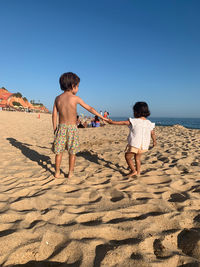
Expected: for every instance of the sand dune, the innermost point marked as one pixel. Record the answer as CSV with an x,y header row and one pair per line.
x,y
99,217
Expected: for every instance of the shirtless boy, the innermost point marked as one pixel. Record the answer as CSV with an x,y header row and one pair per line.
x,y
66,132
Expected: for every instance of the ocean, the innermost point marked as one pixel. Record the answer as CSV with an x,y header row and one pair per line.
x,y
191,123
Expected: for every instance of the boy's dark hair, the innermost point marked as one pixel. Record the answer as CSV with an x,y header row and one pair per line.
x,y
141,109
68,80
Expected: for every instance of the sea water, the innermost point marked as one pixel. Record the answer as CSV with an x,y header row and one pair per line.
x,y
191,123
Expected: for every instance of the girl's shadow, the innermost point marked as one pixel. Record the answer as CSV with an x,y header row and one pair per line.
x,y
96,159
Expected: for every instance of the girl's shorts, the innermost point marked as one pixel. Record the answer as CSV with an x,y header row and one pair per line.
x,y
66,137
135,150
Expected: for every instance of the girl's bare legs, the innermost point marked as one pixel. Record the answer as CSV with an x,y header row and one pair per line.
x,y
138,162
58,160
128,157
72,159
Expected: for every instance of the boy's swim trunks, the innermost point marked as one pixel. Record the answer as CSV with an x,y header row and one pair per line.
x,y
66,137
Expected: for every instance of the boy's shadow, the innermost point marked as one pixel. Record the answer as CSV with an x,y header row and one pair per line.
x,y
43,160
31,154
96,159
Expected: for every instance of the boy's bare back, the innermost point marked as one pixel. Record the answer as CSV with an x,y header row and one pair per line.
x,y
65,105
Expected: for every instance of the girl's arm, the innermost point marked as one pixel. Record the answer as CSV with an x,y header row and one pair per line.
x,y
119,122
153,136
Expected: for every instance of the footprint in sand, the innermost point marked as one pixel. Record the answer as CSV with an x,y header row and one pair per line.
x,y
189,242
163,159
116,195
155,180
195,163
90,219
178,197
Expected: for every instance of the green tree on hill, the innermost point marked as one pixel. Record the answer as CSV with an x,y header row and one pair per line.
x,y
16,104
17,95
36,104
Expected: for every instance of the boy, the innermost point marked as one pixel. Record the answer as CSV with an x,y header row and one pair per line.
x,y
66,134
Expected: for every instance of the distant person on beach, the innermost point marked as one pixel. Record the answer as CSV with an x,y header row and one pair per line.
x,y
105,115
141,132
80,124
95,122
66,132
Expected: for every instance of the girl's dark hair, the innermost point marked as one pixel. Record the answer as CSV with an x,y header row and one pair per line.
x,y
141,109
68,80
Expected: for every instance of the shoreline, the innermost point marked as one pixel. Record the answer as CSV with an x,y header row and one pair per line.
x,y
189,123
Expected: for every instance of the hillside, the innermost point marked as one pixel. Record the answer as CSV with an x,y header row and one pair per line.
x,y
16,101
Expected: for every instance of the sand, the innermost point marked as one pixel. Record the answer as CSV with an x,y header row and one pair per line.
x,y
99,217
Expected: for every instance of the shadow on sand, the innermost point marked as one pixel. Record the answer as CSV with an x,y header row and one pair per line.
x,y
93,157
47,264
43,160
33,155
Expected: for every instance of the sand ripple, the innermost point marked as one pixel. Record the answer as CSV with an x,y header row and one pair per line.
x,y
99,217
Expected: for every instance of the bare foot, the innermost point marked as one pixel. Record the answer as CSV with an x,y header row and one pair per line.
x,y
131,174
57,174
70,174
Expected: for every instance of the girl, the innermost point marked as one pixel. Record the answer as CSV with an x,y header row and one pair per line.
x,y
141,131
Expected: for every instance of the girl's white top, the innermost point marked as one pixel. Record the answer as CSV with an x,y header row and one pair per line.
x,y
140,133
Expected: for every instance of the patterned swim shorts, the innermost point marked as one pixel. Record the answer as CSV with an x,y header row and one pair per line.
x,y
66,137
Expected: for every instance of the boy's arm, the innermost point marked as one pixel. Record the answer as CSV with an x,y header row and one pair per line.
x,y
54,116
90,109
119,122
153,136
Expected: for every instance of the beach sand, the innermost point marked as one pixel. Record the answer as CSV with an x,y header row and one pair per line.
x,y
99,217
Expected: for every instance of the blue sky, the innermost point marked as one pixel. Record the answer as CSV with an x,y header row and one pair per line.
x,y
123,51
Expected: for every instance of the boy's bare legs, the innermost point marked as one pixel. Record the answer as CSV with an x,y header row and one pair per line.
x,y
72,158
128,157
58,160
138,162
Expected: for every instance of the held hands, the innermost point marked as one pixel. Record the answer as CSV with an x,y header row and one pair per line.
x,y
110,121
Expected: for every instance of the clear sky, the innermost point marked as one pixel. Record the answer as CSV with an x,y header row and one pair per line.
x,y
123,51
